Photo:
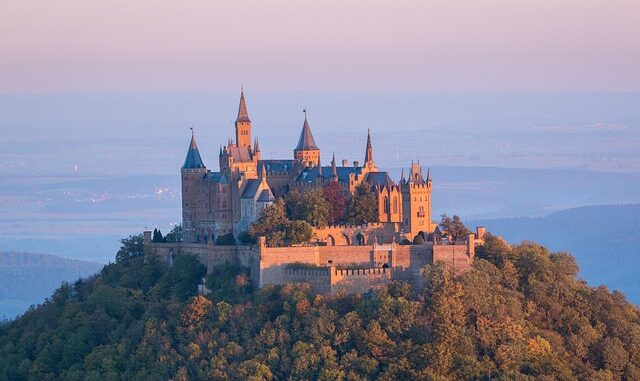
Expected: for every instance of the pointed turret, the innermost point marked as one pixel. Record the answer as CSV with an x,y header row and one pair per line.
x,y
402,179
306,151
368,156
428,173
243,124
263,174
334,169
193,159
306,141
319,168
220,154
256,146
243,115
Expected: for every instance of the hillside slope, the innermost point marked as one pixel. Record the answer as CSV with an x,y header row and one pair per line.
x,y
27,279
518,314
605,240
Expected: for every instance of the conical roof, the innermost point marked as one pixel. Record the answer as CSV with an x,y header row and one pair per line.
x,y
306,141
368,156
193,159
243,115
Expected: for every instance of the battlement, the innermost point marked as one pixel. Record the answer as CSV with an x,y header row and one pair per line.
x,y
369,271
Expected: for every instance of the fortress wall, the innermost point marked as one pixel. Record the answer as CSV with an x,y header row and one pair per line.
x,y
346,234
359,280
319,279
455,255
274,260
344,255
414,255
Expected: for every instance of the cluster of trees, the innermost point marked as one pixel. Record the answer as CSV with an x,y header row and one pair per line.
x,y
175,235
453,228
290,220
519,313
328,206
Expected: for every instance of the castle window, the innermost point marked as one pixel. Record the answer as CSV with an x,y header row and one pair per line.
x,y
386,205
395,204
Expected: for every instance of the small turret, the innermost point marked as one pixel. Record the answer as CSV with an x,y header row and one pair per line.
x,y
306,151
193,159
243,123
368,156
334,169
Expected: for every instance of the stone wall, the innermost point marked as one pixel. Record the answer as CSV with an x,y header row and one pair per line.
x,y
359,280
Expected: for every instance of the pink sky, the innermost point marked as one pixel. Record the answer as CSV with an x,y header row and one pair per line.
x,y
368,45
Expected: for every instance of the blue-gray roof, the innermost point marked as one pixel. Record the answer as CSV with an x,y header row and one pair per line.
x,y
380,179
251,189
266,196
217,177
310,174
277,165
193,159
306,141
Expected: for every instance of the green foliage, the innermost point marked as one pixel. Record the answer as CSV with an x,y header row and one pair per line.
x,y
418,240
226,240
246,238
518,314
278,229
133,246
182,278
309,206
175,235
363,207
454,228
157,236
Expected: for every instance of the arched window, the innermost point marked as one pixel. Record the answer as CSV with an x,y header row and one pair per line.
x,y
331,241
395,204
386,204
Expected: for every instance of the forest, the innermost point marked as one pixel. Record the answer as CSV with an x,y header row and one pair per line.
x,y
519,313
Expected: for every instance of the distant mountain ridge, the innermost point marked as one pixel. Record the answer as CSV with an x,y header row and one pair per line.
x,y
605,239
27,278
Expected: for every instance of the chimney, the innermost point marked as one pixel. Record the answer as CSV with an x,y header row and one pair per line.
x,y
356,163
480,231
344,162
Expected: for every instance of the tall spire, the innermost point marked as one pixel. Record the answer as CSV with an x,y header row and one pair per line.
x,y
319,168
263,173
402,175
334,169
428,173
193,159
243,115
306,141
256,146
368,156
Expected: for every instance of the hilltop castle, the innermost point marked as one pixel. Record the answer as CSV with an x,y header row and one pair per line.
x,y
350,258
229,200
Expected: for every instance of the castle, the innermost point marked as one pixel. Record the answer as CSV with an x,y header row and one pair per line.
x,y
345,257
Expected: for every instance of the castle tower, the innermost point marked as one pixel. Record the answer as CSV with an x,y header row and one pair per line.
x,y
368,156
192,172
307,151
243,124
416,202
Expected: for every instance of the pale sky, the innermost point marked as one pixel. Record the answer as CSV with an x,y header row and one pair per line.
x,y
344,45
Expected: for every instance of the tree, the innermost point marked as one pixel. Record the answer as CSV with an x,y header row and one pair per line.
x,y
226,240
418,240
334,195
183,277
175,235
309,206
157,236
363,207
298,232
454,228
271,224
133,246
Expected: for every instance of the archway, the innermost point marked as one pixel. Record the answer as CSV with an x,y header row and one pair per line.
x,y
359,239
347,241
331,241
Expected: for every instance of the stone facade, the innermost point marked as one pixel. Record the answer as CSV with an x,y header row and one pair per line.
x,y
328,269
340,258
229,200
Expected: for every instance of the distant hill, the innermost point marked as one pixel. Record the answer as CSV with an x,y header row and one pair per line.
x,y
605,240
27,279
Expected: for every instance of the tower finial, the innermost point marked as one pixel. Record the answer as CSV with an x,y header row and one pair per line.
x,y
368,156
334,169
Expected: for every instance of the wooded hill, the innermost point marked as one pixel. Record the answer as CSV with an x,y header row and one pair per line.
x,y
520,313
